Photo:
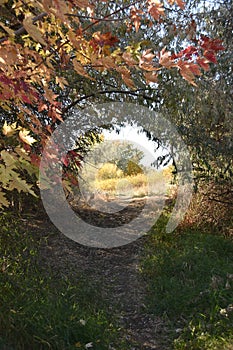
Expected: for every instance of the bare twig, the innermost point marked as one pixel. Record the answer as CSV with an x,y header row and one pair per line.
x,y
95,94
96,18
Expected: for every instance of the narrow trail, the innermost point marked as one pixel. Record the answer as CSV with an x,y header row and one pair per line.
x,y
115,272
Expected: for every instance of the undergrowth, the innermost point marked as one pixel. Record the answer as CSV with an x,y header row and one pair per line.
x,y
190,283
40,311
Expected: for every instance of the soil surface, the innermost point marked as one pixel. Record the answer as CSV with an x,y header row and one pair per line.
x,y
114,271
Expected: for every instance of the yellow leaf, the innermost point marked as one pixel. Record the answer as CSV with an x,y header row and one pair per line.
x,y
78,345
22,153
25,137
32,29
74,39
3,201
9,130
2,2
61,81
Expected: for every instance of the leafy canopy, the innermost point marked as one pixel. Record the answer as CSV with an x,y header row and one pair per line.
x,y
46,44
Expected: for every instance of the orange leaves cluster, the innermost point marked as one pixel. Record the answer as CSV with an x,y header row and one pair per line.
x,y
57,40
135,15
180,3
146,60
156,9
105,39
165,59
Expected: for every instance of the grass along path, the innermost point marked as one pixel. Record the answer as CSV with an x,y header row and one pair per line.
x,y
161,292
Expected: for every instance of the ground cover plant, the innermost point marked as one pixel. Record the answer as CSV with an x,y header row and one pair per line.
x,y
39,310
190,283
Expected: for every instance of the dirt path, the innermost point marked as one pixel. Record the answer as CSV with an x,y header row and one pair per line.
x,y
115,273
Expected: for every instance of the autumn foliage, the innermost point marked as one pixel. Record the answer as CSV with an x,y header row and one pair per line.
x,y
40,41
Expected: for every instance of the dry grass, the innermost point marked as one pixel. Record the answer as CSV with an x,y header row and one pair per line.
x,y
136,185
211,209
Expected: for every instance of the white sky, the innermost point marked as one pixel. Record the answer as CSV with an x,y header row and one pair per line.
x,y
139,140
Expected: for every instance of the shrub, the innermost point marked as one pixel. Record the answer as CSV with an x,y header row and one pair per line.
x,y
109,171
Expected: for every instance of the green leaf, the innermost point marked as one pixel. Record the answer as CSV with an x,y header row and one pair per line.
x,y
9,159
6,175
20,185
30,168
3,201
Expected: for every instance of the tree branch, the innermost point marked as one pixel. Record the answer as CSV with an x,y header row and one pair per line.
x,y
111,14
96,18
22,30
75,102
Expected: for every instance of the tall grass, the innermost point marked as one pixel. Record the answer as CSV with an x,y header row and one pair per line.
x,y
190,281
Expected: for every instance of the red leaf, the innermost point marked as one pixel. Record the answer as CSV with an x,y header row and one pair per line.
x,y
105,39
35,159
210,56
203,63
73,154
65,160
211,44
5,80
187,53
26,99
190,51
26,147
72,178
195,69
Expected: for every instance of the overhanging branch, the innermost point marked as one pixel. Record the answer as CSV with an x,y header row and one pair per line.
x,y
22,30
132,93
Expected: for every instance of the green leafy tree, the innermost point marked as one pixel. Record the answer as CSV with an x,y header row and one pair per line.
x,y
62,54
